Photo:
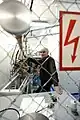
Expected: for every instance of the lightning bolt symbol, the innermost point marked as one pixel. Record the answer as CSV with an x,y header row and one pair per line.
x,y
74,41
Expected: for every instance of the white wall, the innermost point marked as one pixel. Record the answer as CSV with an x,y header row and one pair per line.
x,y
7,45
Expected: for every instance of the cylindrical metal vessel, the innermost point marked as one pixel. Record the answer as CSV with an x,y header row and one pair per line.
x,y
34,116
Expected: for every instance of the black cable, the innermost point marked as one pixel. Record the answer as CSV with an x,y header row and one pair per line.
x,y
10,109
41,109
49,106
31,5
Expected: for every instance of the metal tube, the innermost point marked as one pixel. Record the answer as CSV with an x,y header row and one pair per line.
x,y
78,2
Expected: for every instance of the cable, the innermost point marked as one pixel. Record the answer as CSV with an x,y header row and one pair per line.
x,y
49,106
31,5
41,109
10,109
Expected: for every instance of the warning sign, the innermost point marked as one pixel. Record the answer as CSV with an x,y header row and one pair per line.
x,y
69,40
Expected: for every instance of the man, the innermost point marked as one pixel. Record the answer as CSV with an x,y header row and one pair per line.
x,y
48,73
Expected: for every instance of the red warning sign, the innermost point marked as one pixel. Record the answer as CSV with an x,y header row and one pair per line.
x,y
69,40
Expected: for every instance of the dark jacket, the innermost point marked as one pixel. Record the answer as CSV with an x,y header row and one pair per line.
x,y
48,71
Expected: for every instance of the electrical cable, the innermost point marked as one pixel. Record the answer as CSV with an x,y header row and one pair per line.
x,y
41,109
10,109
49,106
31,5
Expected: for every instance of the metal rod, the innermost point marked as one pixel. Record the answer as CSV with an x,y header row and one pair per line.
x,y
78,2
10,81
43,28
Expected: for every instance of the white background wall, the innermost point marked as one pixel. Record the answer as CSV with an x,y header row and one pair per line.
x,y
7,45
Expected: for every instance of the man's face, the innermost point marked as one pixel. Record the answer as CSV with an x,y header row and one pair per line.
x,y
43,54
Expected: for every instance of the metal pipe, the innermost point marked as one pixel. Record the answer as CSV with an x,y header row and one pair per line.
x,y
10,81
78,2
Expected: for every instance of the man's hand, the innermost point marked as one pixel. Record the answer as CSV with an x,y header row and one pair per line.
x,y
58,89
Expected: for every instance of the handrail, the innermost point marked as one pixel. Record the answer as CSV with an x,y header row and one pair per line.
x,y
10,81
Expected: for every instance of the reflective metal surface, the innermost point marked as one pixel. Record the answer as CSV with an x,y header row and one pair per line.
x,y
34,116
14,17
